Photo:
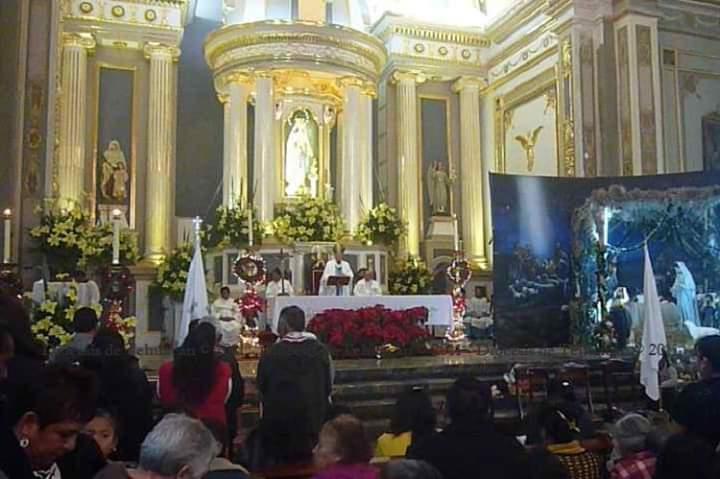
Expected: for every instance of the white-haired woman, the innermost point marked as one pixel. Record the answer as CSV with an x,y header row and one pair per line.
x,y
178,447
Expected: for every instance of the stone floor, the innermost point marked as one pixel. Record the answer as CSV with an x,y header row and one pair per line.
x,y
370,387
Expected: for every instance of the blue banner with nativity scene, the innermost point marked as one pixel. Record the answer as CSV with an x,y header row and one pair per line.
x,y
568,252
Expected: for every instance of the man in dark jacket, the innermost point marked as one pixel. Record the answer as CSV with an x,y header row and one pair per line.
x,y
297,358
470,446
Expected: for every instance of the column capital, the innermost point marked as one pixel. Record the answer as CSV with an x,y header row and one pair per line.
x,y
405,76
160,50
366,87
80,40
469,83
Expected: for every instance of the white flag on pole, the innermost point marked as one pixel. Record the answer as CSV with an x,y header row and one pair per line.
x,y
195,303
653,338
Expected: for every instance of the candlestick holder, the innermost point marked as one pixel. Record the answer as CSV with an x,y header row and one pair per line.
x,y
10,281
458,274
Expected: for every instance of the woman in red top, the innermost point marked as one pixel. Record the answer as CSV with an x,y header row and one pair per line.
x,y
196,381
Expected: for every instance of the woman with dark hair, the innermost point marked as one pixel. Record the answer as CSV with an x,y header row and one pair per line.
x,y
29,355
414,417
45,418
124,389
343,451
196,381
284,435
559,433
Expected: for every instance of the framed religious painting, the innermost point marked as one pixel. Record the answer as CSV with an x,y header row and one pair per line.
x,y
711,141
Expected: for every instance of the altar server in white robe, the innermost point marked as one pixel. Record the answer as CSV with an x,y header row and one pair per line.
x,y
278,286
368,285
228,320
336,267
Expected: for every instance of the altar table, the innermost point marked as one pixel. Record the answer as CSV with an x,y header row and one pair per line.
x,y
439,306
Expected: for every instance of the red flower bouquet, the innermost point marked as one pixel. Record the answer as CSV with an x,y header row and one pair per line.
x,y
251,304
359,333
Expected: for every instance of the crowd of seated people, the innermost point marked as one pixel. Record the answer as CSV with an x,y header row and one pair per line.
x,y
89,417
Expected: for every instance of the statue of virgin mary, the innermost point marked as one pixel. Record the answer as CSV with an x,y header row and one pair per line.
x,y
684,291
299,156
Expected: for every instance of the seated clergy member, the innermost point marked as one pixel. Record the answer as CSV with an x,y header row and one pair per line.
x,y
278,285
336,267
368,285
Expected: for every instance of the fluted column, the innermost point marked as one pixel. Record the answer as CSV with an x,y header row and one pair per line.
x,y
235,161
409,172
356,168
71,153
264,167
471,178
161,124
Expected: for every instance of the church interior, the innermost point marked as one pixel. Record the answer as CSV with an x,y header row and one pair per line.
x,y
499,164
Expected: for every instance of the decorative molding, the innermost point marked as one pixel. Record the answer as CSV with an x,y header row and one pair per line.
x,y
153,14
528,56
433,33
295,45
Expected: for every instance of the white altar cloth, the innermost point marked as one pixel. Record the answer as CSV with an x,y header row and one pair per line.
x,y
439,306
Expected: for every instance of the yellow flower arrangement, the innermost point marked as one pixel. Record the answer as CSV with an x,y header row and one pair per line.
x,y
410,277
381,224
308,219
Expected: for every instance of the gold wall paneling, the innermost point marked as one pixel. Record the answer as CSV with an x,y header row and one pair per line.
x,y
135,132
534,88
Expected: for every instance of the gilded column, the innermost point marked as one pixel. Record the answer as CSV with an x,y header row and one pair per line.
x,y
409,161
356,168
71,151
471,168
161,124
235,161
264,167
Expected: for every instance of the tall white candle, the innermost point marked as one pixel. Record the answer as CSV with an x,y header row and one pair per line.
x,y
456,238
7,214
250,226
116,236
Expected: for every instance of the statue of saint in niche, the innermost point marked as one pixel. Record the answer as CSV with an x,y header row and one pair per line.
x,y
438,184
115,175
300,158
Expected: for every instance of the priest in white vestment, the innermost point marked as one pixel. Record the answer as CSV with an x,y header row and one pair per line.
x,y
228,321
278,286
336,267
368,285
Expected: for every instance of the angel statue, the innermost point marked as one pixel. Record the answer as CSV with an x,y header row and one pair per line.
x,y
114,173
684,292
299,157
528,143
438,184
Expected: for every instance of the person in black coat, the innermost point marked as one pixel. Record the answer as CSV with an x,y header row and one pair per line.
x,y
470,446
124,388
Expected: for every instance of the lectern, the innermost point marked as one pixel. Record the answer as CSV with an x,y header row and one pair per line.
x,y
338,282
